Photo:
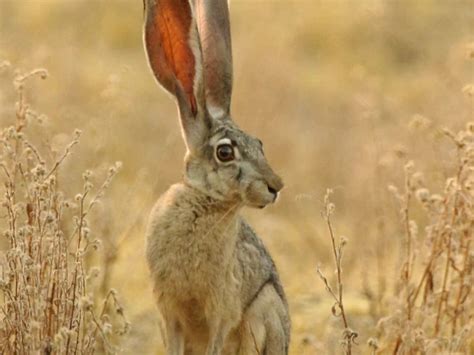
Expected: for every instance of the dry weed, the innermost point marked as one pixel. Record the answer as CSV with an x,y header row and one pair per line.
x,y
349,336
432,311
48,301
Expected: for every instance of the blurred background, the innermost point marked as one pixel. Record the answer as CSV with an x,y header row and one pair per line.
x,y
342,93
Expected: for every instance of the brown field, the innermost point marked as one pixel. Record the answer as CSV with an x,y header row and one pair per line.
x,y
357,96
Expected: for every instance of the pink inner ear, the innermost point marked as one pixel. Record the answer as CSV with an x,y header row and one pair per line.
x,y
168,45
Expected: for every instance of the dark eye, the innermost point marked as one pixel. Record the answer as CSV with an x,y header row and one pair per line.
x,y
225,152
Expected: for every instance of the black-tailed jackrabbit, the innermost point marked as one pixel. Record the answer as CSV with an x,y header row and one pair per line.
x,y
216,285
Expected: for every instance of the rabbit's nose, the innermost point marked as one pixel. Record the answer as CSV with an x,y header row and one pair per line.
x,y
274,190
275,184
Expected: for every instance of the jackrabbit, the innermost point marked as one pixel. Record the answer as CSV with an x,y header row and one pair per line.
x,y
216,286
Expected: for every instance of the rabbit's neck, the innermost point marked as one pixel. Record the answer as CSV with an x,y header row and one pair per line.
x,y
191,233
206,204
213,219
188,213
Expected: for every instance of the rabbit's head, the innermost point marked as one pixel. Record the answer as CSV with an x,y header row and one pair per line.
x,y
189,50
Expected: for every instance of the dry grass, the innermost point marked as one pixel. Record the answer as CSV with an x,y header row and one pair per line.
x,y
49,302
431,309
434,308
344,94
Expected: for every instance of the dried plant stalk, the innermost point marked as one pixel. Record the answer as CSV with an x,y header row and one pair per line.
x,y
349,336
437,315
46,290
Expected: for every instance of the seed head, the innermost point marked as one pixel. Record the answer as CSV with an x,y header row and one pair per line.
x,y
422,195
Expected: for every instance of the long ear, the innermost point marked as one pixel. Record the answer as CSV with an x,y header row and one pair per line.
x,y
214,28
174,53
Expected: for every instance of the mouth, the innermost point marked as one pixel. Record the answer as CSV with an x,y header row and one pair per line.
x,y
275,197
259,198
266,202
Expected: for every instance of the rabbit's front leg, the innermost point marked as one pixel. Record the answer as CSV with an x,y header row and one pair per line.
x,y
217,335
174,338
